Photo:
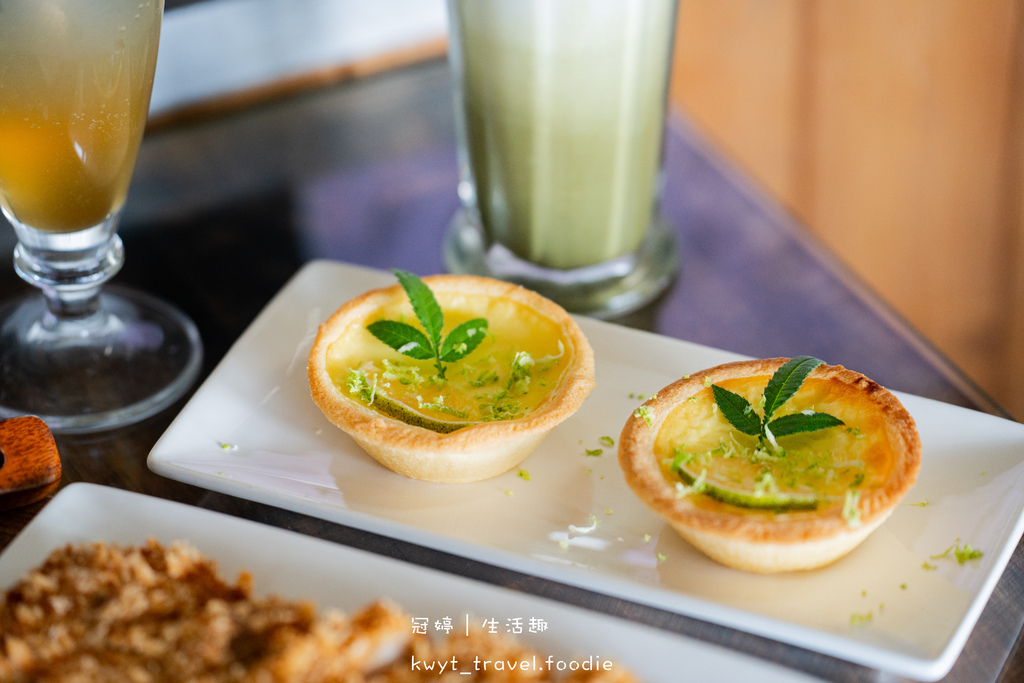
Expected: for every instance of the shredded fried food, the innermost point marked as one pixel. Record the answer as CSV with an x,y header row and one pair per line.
x,y
104,612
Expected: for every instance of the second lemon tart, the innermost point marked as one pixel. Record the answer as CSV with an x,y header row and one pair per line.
x,y
772,465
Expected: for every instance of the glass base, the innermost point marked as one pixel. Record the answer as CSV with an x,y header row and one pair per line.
x,y
127,361
606,290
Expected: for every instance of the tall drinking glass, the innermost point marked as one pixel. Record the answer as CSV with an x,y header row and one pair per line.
x,y
560,110
75,83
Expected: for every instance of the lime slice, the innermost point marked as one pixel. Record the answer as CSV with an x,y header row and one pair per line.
x,y
400,411
750,498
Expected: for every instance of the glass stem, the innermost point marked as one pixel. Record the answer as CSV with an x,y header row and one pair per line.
x,y
69,269
75,304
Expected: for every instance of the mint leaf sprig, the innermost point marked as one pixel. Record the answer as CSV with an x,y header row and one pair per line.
x,y
428,344
782,386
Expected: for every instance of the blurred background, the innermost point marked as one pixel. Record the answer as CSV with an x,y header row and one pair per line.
x,y
892,129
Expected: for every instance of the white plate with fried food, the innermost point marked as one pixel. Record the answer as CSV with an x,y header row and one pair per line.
x,y
904,601
532,634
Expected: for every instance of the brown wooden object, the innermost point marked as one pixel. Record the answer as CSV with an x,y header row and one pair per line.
x,y
30,469
894,130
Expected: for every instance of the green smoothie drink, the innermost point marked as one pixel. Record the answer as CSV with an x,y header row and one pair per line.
x,y
561,118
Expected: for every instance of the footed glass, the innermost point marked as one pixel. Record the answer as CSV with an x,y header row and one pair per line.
x,y
75,83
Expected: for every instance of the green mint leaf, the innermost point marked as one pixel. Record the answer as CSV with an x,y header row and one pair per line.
x,y
463,339
427,310
785,382
410,341
802,422
737,410
403,338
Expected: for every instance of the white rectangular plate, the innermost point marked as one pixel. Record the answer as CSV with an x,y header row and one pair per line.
x,y
335,576
252,431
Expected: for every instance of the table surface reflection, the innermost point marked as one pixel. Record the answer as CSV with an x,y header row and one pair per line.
x,y
223,211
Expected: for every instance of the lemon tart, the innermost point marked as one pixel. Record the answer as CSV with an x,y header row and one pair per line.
x,y
521,366
788,489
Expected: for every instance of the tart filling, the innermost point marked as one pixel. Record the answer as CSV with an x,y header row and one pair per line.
x,y
768,502
503,368
512,372
801,471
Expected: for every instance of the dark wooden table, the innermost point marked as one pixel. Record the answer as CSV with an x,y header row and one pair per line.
x,y
224,210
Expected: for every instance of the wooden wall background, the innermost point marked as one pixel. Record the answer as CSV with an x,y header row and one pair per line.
x,y
894,129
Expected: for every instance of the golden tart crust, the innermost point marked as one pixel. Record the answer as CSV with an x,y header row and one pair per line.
x,y
471,453
767,540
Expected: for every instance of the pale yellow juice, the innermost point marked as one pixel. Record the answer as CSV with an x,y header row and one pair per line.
x,y
562,122
75,82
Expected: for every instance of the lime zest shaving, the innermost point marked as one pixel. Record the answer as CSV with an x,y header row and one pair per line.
x,y
962,554
861,619
520,369
440,406
359,385
408,375
644,413
547,361
484,375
